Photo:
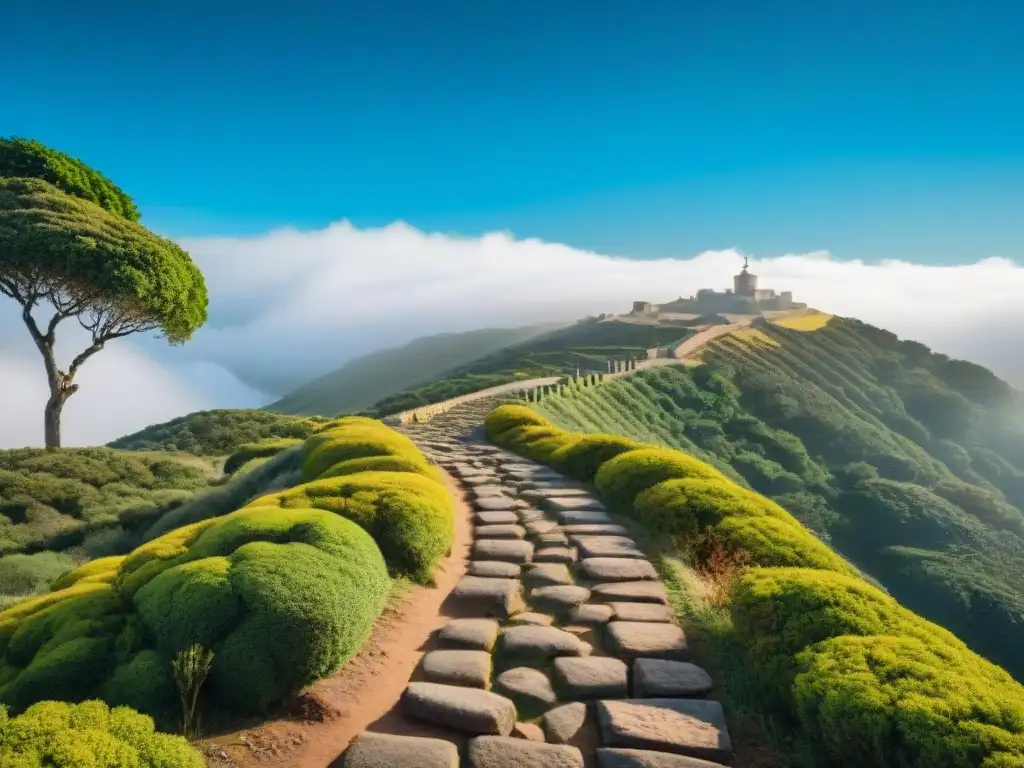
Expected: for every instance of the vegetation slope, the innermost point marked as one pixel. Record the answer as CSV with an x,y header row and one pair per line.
x,y
911,464
361,382
585,346
859,680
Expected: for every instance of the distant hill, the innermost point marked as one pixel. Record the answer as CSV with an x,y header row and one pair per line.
x,y
586,345
910,463
363,381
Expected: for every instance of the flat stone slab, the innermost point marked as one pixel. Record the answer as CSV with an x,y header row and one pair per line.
x,y
474,481
489,491
527,687
693,727
605,546
551,538
559,598
492,504
532,619
501,531
541,643
530,515
494,569
469,668
468,710
655,612
567,724
663,679
540,526
591,613
560,490
635,639
384,750
591,677
506,550
583,517
630,591
496,518
555,554
574,503
642,758
546,574
498,752
595,529
491,597
469,634
615,569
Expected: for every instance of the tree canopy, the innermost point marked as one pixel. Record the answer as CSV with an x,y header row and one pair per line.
x,y
28,159
88,261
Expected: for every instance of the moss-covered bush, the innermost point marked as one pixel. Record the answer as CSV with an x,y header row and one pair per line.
x,y
409,515
87,735
621,479
582,458
354,437
283,598
384,464
879,701
507,417
250,451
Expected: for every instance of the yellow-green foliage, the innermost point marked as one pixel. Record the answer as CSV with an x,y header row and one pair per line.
x,y
621,479
409,515
89,735
354,437
880,701
741,520
250,451
283,598
384,464
582,458
870,683
507,417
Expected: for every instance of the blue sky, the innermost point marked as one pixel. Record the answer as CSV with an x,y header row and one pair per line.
x,y
872,129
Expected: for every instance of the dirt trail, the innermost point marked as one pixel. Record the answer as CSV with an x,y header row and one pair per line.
x,y
363,691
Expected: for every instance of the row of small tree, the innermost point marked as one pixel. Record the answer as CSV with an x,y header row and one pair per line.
x,y
562,388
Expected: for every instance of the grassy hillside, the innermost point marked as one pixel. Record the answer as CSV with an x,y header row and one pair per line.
x,y
586,346
911,464
52,499
361,382
218,432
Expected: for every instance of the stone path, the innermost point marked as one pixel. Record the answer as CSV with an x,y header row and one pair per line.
x,y
564,652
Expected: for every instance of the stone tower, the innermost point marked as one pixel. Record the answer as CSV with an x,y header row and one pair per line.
x,y
745,284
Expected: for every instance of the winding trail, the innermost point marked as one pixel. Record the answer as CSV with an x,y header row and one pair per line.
x,y
558,649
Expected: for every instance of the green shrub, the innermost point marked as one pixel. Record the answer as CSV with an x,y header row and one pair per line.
x,y
250,451
779,612
410,516
383,464
880,701
283,598
507,417
89,734
582,458
354,437
621,479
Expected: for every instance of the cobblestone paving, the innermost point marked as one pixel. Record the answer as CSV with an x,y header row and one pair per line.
x,y
564,652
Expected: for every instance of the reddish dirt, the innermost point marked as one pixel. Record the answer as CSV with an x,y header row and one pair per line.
x,y
364,694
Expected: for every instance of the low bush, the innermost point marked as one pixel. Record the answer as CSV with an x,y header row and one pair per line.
x,y
282,598
29,574
507,417
250,451
89,734
409,515
582,458
879,701
354,437
621,479
384,464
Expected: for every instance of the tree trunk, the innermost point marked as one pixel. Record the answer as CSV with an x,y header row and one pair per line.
x,y
51,419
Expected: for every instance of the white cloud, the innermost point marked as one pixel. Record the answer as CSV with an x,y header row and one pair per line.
x,y
289,305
